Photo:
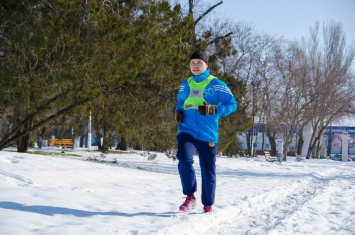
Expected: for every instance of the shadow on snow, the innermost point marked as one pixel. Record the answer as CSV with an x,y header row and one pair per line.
x,y
53,210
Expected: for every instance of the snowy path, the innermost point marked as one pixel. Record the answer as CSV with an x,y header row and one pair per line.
x,y
283,210
54,195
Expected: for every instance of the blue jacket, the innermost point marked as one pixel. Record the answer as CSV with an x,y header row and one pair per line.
x,y
201,127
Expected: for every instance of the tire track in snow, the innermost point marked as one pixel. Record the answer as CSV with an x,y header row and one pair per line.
x,y
258,214
331,212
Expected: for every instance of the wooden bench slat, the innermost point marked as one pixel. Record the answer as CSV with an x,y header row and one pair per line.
x,y
65,143
268,157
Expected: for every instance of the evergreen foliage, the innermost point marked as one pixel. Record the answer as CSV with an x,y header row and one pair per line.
x,y
121,60
60,55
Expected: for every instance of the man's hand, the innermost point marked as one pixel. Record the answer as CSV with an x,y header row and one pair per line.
x,y
179,116
207,109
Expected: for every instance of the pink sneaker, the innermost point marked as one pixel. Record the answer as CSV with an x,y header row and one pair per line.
x,y
207,209
189,204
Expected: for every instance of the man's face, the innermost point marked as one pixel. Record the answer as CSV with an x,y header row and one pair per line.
x,y
197,66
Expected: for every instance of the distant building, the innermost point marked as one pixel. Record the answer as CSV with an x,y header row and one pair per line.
x,y
334,132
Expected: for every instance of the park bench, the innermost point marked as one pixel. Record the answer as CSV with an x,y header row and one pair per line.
x,y
268,157
64,143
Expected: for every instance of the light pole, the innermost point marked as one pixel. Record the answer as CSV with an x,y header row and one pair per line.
x,y
89,132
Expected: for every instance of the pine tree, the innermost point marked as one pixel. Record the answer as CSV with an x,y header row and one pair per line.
x,y
60,55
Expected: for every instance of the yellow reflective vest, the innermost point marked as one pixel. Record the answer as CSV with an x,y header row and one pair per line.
x,y
196,92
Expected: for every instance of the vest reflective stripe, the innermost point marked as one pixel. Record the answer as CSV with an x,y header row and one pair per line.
x,y
190,106
196,92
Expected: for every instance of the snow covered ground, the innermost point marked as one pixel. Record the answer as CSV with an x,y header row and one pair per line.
x,y
67,194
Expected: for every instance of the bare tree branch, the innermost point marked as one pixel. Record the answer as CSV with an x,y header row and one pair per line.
x,y
206,12
220,37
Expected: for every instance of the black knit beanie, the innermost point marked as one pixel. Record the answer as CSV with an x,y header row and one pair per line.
x,y
199,55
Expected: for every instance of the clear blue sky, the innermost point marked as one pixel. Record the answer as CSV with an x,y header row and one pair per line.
x,y
290,18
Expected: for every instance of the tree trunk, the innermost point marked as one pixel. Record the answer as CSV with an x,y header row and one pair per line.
x,y
300,145
122,145
23,144
285,150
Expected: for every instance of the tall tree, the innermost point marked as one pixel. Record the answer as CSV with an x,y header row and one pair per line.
x,y
330,81
60,55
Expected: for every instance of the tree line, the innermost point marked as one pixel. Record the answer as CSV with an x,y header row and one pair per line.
x,y
293,85
123,61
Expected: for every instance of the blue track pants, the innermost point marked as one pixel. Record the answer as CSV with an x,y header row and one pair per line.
x,y
187,147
